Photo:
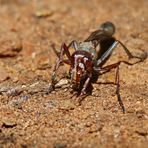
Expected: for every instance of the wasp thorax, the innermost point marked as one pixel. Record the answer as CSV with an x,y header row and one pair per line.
x,y
88,47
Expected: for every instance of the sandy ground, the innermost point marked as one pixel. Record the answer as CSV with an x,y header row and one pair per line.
x,y
31,117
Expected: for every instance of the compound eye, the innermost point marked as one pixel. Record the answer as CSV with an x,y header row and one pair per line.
x,y
108,28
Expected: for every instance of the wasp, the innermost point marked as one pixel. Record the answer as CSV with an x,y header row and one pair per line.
x,y
86,61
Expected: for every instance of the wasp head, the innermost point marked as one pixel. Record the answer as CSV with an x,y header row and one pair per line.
x,y
81,67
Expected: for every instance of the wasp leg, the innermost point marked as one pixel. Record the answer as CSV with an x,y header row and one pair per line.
x,y
83,91
103,70
64,50
109,51
117,81
141,58
54,49
72,44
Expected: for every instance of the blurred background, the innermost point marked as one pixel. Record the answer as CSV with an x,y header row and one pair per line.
x,y
28,117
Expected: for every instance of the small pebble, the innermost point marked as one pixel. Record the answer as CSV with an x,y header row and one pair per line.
x,y
9,124
43,13
61,83
66,105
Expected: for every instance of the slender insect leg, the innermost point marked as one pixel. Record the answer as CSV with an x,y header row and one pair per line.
x,y
141,58
83,91
107,53
64,50
72,44
113,46
54,49
117,81
109,67
129,54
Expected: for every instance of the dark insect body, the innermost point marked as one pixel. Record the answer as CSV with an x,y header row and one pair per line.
x,y
85,61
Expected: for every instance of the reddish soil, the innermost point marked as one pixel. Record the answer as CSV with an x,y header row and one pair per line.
x,y
29,116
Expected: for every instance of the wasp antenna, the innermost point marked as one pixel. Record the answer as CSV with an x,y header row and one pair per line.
x,y
54,49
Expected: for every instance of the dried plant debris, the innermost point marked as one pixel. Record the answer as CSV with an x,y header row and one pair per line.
x,y
43,13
